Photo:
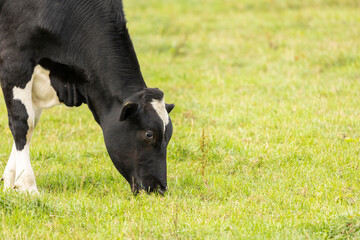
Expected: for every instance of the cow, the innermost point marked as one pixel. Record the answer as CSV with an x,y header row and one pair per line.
x,y
75,52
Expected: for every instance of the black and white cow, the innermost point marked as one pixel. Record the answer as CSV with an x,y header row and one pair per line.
x,y
74,52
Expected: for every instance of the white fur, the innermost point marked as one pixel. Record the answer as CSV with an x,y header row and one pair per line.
x,y
159,106
24,178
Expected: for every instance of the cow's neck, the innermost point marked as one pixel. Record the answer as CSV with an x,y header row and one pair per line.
x,y
116,78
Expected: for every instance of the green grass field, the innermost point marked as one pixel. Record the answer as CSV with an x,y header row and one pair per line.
x,y
266,140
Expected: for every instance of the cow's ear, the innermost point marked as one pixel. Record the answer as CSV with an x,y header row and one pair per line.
x,y
129,109
169,107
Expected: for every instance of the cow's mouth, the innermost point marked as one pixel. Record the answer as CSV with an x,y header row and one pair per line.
x,y
137,187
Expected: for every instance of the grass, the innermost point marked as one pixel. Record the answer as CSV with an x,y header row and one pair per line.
x,y
266,131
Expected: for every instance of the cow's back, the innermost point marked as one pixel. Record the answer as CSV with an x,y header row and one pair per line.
x,y
61,29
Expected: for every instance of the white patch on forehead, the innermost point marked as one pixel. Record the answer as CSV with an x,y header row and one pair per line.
x,y
159,106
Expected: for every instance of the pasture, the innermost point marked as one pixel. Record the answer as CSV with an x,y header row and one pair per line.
x,y
266,141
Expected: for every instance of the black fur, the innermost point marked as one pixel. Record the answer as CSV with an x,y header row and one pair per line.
x,y
87,48
17,123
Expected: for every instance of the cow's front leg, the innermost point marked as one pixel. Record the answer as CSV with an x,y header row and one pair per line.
x,y
24,177
17,87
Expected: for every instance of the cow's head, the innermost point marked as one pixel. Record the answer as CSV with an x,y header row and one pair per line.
x,y
138,139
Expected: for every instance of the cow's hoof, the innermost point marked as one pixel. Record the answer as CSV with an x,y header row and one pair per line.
x,y
31,190
26,184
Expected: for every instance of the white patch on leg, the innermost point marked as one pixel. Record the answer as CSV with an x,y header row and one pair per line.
x,y
10,170
25,178
159,106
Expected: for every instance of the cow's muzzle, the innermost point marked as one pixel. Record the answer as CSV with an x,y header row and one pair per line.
x,y
154,185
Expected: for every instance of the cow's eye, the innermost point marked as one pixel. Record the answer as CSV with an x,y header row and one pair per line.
x,y
149,135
